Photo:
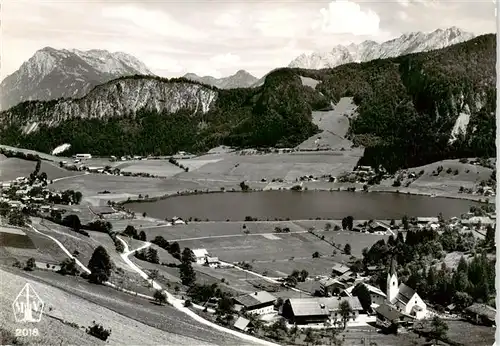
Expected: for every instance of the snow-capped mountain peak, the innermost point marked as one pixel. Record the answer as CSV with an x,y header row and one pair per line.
x,y
407,43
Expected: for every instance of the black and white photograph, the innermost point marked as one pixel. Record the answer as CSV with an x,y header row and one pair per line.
x,y
248,172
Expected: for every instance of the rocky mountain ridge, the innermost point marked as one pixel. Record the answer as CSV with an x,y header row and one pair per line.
x,y
408,107
51,74
408,43
241,79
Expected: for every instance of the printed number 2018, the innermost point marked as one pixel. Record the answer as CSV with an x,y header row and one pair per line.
x,y
27,332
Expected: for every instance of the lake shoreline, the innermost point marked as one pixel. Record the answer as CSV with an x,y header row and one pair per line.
x,y
344,188
381,204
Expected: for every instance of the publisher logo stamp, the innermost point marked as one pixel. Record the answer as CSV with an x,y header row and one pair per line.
x,y
28,307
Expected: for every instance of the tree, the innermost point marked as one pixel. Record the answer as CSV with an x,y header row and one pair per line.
x,y
347,249
315,254
98,331
303,275
142,236
175,250
438,329
152,256
350,222
130,231
78,197
328,226
243,186
160,297
345,311
187,274
363,294
405,222
30,264
72,221
100,266
69,267
187,256
490,236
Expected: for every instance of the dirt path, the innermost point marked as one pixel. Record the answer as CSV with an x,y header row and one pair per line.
x,y
179,303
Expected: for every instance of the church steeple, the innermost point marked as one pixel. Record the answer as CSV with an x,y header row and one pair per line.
x,y
394,266
392,281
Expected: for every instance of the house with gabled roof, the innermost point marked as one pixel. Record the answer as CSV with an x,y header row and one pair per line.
x,y
200,255
339,269
259,303
403,297
318,310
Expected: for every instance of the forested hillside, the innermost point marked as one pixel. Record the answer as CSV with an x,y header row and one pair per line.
x,y
407,109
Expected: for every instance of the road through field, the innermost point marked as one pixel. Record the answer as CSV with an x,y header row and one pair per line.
x,y
69,177
179,304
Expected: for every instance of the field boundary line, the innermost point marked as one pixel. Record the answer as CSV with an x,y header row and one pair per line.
x,y
179,303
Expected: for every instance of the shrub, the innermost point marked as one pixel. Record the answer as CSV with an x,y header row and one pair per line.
x,y
98,331
30,264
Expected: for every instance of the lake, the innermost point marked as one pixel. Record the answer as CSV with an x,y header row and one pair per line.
x,y
301,205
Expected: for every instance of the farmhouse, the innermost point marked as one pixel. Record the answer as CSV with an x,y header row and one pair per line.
x,y
200,255
481,314
387,317
402,297
479,220
377,296
339,269
95,169
305,311
177,221
212,262
259,303
318,310
427,220
377,227
82,156
331,287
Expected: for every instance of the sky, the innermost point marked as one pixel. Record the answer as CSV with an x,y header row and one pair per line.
x,y
219,37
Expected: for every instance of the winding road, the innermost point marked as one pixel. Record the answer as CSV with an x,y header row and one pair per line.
x,y
178,304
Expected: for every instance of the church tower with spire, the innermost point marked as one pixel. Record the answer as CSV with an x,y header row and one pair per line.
x,y
392,281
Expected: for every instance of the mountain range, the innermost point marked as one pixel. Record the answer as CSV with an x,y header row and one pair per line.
x,y
51,74
408,107
369,50
241,79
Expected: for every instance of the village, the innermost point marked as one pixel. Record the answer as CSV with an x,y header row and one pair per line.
x,y
295,308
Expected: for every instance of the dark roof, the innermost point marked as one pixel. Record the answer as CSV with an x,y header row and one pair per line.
x,y
393,268
388,313
340,268
321,306
482,310
307,307
405,293
256,298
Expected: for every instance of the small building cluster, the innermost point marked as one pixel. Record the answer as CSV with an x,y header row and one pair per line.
x,y
202,257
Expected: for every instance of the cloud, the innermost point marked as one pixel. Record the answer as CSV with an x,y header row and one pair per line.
x,y
228,20
150,22
346,17
278,22
225,59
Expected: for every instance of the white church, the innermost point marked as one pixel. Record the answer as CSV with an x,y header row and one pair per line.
x,y
402,297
